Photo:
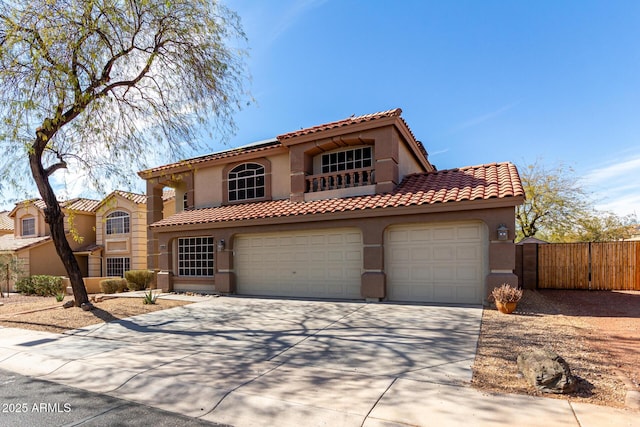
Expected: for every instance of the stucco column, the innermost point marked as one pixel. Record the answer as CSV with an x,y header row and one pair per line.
x,y
225,280
373,282
502,255
154,213
386,161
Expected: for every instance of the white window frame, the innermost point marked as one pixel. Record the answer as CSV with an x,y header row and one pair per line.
x,y
116,266
246,181
342,160
196,256
29,230
118,220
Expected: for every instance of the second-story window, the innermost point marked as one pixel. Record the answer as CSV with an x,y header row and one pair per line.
x,y
246,182
118,222
356,158
29,227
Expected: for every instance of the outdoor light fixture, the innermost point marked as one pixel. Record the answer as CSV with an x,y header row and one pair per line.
x,y
503,232
220,245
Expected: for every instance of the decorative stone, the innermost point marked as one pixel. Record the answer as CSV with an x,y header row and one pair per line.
x,y
68,304
546,371
86,306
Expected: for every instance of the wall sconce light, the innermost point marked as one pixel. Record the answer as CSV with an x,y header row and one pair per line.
x,y
503,232
220,245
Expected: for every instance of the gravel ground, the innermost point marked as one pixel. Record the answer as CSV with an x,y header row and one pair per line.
x,y
46,314
600,346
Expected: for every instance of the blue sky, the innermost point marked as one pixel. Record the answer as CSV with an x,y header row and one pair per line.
x,y
479,81
556,82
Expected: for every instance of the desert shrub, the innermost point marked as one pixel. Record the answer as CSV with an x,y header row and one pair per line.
x,y
112,286
138,280
42,285
150,297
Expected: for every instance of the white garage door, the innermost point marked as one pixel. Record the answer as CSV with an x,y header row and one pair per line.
x,y
443,262
311,264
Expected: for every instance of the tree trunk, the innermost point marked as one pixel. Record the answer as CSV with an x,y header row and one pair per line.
x,y
54,216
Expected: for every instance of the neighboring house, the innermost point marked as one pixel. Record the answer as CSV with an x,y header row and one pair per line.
x,y
350,209
108,237
6,223
31,242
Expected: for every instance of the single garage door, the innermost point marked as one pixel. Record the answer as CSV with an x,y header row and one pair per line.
x,y
444,262
308,264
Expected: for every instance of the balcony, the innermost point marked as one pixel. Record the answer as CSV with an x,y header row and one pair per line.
x,y
340,180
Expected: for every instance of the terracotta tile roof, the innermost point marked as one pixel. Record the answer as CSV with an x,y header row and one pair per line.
x,y
263,146
136,198
6,222
340,123
483,182
80,205
271,143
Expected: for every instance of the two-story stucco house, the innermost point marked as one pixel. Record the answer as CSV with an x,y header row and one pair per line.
x,y
31,240
351,209
108,237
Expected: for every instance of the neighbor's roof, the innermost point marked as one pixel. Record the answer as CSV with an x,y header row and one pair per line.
x,y
10,243
80,205
77,205
6,222
483,182
136,198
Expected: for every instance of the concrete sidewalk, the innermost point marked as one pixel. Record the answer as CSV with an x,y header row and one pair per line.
x,y
258,362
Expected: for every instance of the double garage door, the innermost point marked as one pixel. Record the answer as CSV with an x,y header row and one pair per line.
x,y
444,262
308,264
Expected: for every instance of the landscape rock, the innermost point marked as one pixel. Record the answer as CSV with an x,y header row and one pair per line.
x,y
547,371
86,306
68,304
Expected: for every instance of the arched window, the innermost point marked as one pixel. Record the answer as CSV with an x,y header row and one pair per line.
x,y
246,182
118,222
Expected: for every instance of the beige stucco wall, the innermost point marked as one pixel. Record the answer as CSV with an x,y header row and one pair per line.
x,y
84,226
280,176
43,259
208,186
407,163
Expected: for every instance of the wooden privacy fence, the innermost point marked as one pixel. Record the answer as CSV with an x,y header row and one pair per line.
x,y
594,266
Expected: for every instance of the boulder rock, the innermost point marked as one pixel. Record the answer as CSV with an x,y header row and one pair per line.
x,y
68,304
547,371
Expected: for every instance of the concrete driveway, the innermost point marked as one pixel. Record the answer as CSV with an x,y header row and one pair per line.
x,y
250,361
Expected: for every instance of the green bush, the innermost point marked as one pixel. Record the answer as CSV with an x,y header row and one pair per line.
x,y
42,285
112,286
138,280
